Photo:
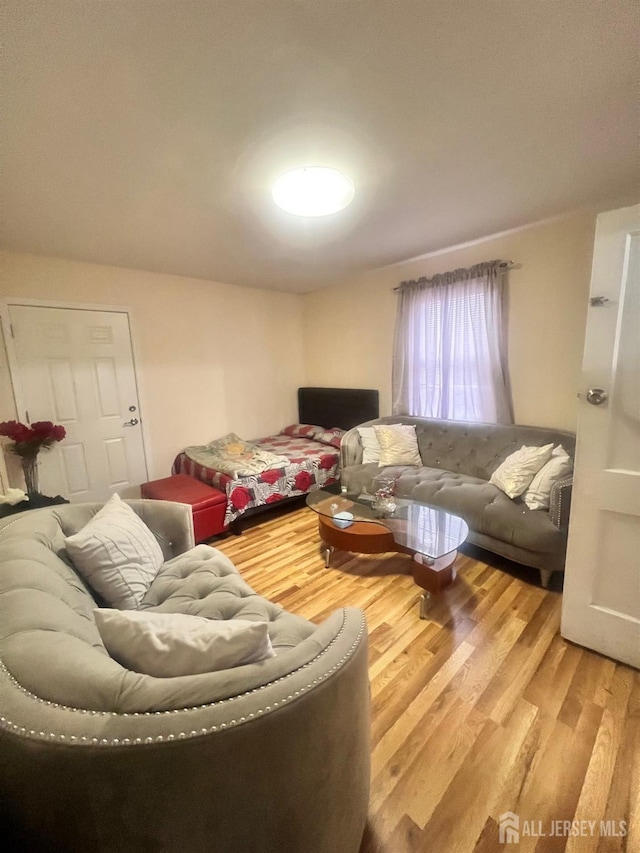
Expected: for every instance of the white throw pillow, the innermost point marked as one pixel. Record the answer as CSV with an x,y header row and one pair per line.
x,y
398,444
538,495
519,469
116,554
174,644
370,444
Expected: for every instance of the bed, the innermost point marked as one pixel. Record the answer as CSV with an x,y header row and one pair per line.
x,y
309,451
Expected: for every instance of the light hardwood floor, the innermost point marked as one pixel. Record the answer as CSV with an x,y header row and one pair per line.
x,y
480,710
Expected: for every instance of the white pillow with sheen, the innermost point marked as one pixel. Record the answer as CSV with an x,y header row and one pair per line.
x,y
116,554
370,444
538,495
172,644
519,469
398,445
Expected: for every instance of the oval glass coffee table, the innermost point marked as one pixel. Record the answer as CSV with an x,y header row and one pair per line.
x,y
362,524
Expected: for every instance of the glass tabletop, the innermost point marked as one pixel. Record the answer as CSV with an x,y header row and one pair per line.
x,y
420,527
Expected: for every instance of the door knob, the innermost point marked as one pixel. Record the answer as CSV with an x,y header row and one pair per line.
x,y
132,422
596,396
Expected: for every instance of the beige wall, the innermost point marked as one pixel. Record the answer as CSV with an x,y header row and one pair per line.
x,y
215,358
349,328
212,358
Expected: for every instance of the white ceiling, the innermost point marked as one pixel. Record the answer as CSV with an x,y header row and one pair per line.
x,y
146,133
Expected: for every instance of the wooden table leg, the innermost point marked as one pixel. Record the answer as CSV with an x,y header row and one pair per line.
x,y
433,576
365,537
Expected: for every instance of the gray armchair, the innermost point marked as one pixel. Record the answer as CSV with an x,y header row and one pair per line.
x,y
265,757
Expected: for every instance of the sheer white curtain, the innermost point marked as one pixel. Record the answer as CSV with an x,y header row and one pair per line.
x,y
449,356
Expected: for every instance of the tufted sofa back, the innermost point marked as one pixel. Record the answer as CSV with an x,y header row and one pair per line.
x,y
49,641
474,449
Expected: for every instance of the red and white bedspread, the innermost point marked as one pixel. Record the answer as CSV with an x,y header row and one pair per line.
x,y
312,464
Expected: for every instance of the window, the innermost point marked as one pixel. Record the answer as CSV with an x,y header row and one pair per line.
x,y
449,350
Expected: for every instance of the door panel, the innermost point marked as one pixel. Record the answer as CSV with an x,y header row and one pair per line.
x,y
76,368
601,604
62,390
117,468
74,469
106,384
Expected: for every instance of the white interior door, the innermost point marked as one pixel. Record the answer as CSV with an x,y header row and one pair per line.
x,y
75,368
601,604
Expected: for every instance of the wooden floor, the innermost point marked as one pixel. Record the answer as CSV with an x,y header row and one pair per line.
x,y
480,710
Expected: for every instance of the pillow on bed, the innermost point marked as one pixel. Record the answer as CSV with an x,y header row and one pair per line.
x,y
299,430
332,436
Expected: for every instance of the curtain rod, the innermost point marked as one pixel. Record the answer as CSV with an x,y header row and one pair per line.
x,y
504,266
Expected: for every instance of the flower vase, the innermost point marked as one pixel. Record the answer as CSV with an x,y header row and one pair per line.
x,y
30,472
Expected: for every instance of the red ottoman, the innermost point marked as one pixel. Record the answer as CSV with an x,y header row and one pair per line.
x,y
208,505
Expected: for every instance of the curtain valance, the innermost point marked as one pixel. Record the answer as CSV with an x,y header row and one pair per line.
x,y
488,269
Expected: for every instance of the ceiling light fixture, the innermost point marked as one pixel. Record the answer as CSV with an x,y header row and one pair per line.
x,y
313,191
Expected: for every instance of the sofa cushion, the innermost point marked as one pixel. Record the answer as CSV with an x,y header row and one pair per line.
x,y
172,644
519,468
538,494
398,445
370,444
117,554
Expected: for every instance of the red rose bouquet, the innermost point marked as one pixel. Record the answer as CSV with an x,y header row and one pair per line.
x,y
28,442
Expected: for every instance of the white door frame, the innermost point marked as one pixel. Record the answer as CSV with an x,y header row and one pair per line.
x,y
14,368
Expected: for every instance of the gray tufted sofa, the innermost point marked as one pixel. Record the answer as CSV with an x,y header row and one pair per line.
x,y
458,460
94,757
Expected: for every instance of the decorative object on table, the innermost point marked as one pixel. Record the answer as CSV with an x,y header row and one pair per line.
x,y
343,519
385,494
28,442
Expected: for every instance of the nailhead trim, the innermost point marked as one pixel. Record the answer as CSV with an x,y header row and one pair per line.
x,y
559,489
557,514
8,725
